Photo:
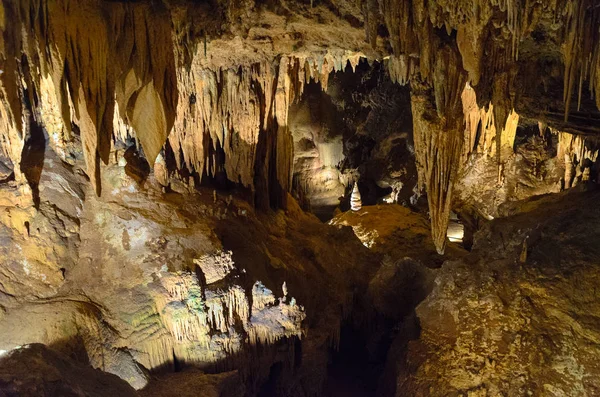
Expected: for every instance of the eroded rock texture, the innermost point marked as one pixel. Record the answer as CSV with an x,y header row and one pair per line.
x,y
35,370
136,280
518,315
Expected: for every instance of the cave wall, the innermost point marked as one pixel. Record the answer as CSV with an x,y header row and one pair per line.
x,y
358,130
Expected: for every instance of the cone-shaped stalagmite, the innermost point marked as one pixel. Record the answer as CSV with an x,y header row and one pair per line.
x,y
355,200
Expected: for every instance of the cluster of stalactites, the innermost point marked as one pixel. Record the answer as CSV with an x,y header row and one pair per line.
x,y
228,109
207,324
414,42
581,50
483,133
579,155
110,69
93,57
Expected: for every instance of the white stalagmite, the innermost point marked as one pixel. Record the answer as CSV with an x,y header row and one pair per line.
x,y
355,200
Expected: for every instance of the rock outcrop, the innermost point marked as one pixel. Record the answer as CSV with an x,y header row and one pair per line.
x,y
136,281
516,316
36,370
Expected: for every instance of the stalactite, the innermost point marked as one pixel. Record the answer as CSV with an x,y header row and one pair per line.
x,y
581,50
115,78
577,152
400,68
480,129
231,108
410,26
78,57
438,145
438,136
482,134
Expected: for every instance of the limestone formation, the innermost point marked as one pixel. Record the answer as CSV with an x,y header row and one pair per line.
x,y
162,163
492,318
215,267
35,369
355,201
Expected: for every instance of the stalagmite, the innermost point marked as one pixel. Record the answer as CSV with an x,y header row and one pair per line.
x,y
355,199
568,171
160,171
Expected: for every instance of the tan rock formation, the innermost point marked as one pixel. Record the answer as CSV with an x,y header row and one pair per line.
x,y
147,102
36,369
497,323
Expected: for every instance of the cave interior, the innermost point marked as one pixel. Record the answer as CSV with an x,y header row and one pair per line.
x,y
299,198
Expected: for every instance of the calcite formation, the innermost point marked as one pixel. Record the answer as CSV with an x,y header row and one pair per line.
x,y
355,201
215,267
147,87
202,322
438,146
213,98
495,168
156,158
135,282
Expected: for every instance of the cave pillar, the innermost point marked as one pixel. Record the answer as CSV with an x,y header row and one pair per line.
x,y
438,145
